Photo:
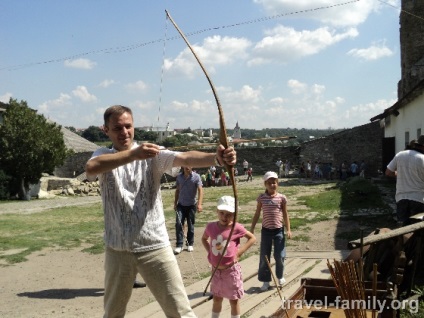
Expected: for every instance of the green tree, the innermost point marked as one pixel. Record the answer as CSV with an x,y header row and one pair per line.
x,y
29,146
177,141
187,130
94,133
71,128
150,135
140,134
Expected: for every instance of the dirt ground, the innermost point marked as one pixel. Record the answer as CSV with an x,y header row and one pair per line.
x,y
58,283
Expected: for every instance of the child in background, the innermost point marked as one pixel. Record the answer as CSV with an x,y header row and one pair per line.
x,y
227,281
274,219
249,174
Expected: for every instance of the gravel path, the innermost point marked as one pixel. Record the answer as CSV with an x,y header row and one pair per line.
x,y
38,205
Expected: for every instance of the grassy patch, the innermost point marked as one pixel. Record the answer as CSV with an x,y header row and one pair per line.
x,y
301,238
358,193
325,202
83,226
62,228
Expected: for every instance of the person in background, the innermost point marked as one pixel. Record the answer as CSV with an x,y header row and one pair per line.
x,y
245,166
343,170
136,237
203,178
408,168
249,174
188,185
274,219
302,171
223,177
362,168
227,281
308,169
279,165
287,168
354,169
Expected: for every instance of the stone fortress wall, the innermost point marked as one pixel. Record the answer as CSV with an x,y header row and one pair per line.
x,y
356,144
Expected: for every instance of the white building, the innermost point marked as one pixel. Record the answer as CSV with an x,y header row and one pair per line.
x,y
237,132
163,132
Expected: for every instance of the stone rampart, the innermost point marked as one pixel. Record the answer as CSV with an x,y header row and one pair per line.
x,y
73,166
356,144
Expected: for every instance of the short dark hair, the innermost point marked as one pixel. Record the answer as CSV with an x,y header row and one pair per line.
x,y
115,109
420,141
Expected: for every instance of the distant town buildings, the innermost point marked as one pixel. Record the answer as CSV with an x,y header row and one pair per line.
x,y
163,132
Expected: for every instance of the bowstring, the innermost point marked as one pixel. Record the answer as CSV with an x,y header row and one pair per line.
x,y
186,241
162,69
159,109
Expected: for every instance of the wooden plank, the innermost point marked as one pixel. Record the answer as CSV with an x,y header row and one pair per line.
x,y
387,235
195,291
318,268
202,304
337,254
253,296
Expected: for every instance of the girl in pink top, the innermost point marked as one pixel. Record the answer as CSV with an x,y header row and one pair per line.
x,y
227,281
274,218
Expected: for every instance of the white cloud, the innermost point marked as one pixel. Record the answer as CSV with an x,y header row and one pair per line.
x,y
214,51
138,86
82,93
350,14
245,94
100,111
339,100
106,83
63,100
194,113
374,52
5,97
296,86
143,105
193,107
277,101
85,64
318,89
368,110
284,44
306,105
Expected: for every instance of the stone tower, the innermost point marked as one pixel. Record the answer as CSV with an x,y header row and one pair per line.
x,y
237,132
412,45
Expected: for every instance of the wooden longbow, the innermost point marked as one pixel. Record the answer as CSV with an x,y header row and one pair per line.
x,y
222,139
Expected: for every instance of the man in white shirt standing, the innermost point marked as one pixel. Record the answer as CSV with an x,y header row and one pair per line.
x,y
408,168
135,231
245,166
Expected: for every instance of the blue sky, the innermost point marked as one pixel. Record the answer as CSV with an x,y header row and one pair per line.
x,y
275,63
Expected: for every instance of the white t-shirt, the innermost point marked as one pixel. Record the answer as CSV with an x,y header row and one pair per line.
x,y
132,202
409,165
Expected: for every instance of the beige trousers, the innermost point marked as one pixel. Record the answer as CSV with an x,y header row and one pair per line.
x,y
160,271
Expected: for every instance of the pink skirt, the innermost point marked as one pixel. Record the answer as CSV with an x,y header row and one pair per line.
x,y
228,283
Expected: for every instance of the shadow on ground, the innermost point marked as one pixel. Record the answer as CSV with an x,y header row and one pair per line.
x,y
64,293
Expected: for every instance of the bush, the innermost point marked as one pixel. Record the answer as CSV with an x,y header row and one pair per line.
x,y
360,193
357,186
